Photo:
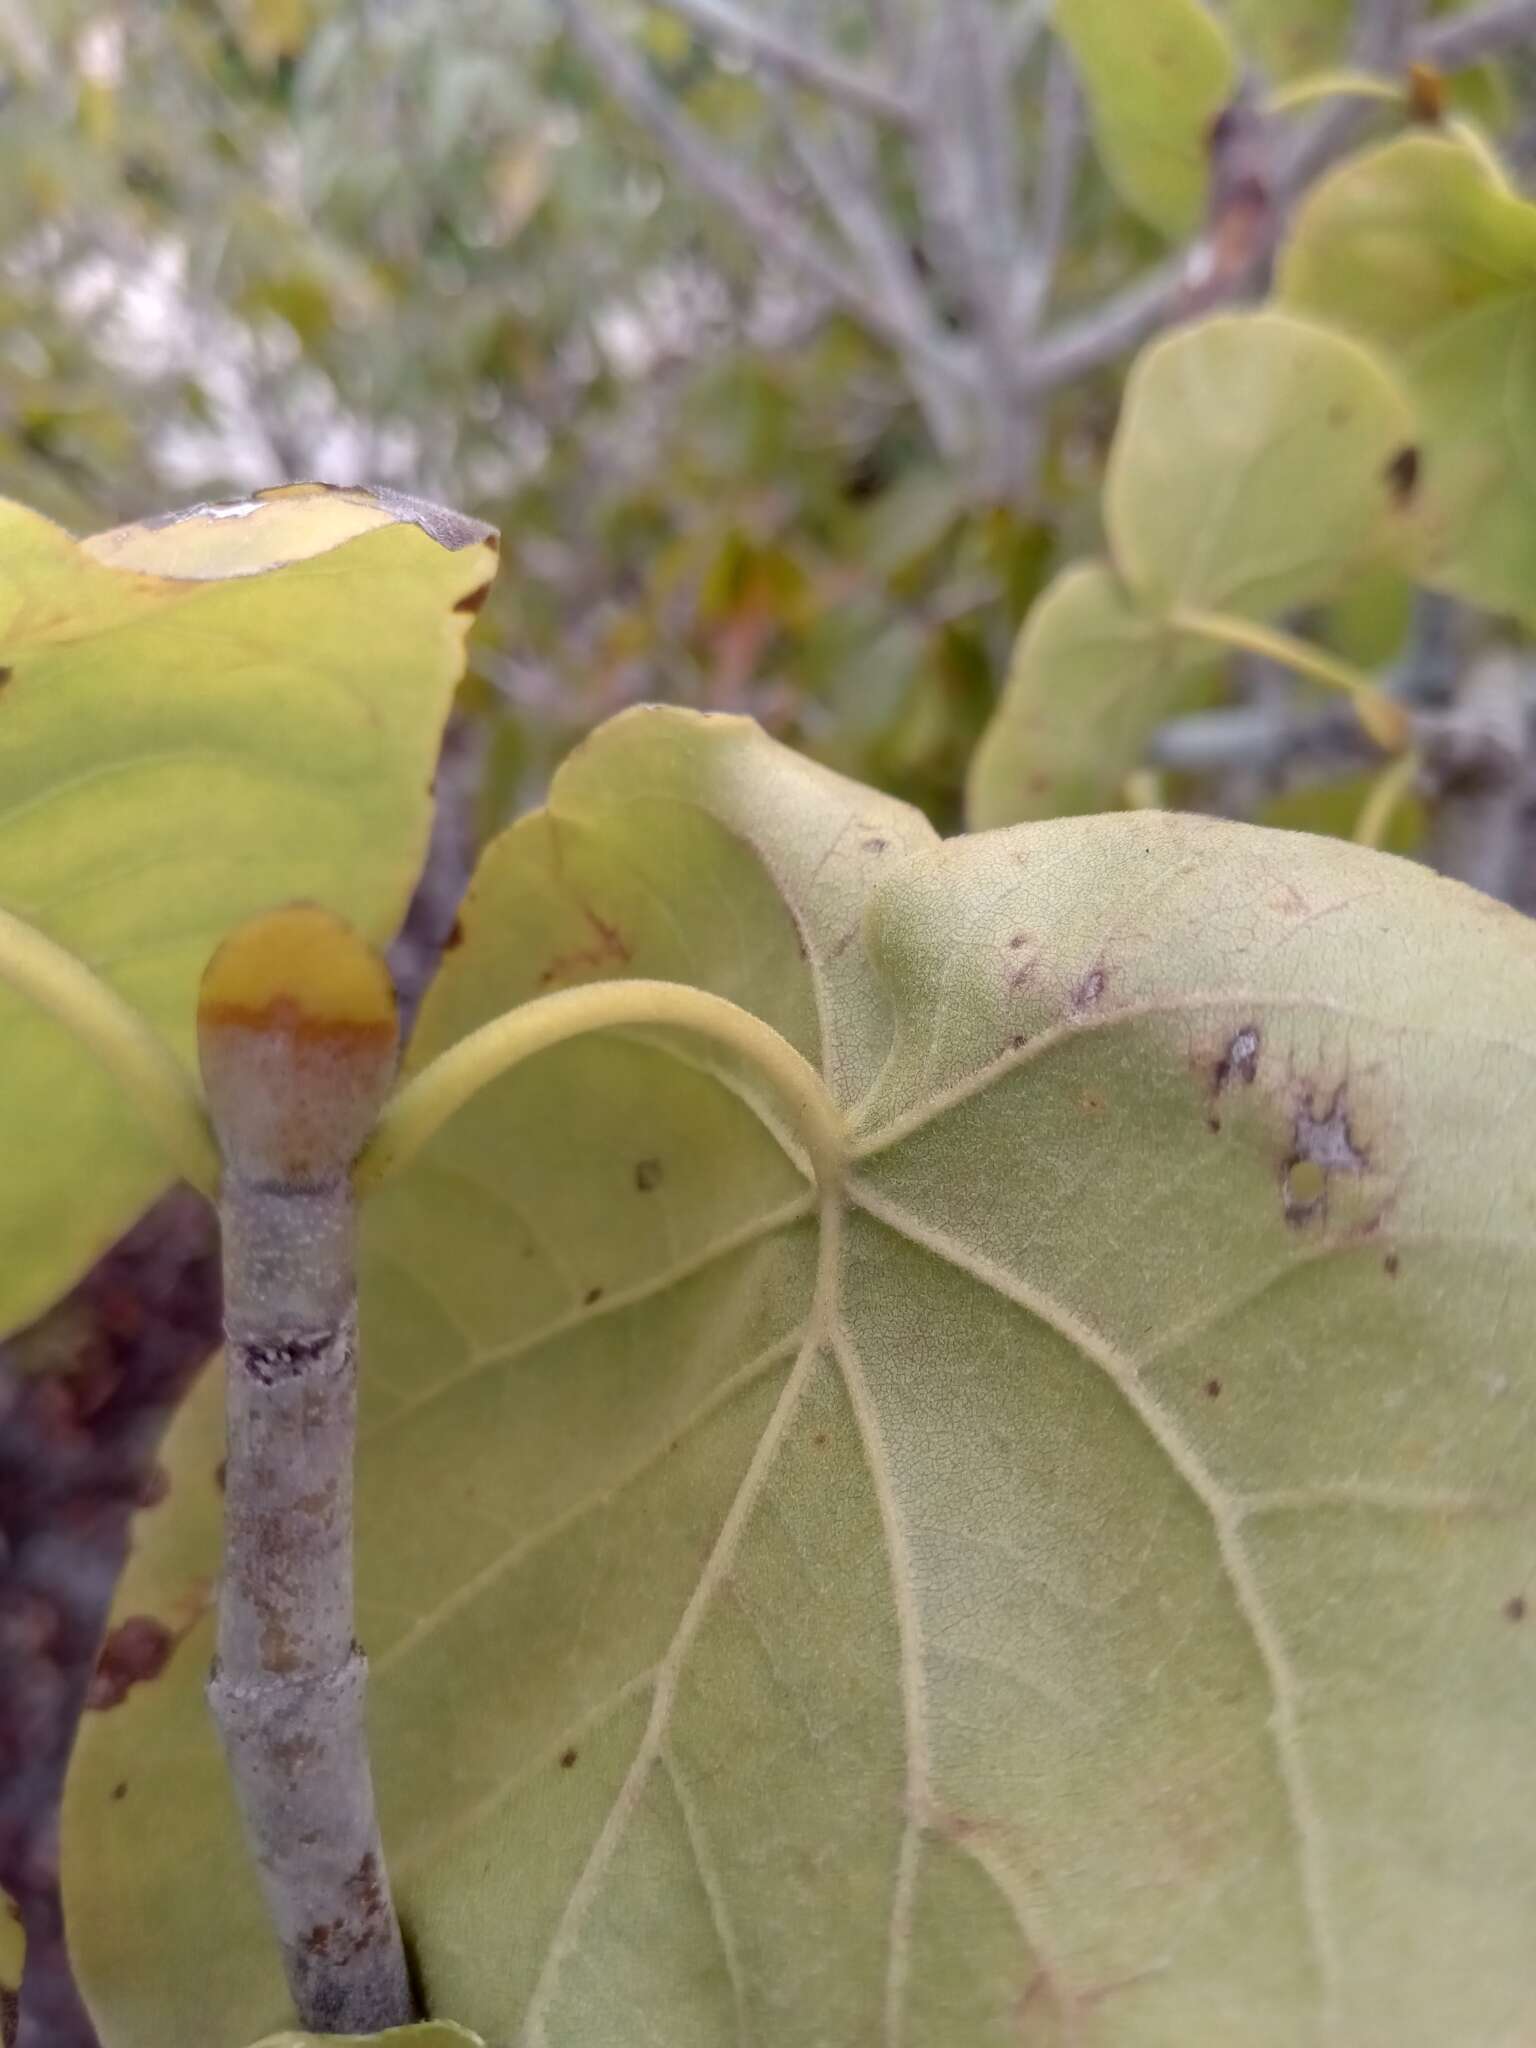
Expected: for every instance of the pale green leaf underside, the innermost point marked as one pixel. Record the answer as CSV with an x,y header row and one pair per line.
x,y
198,719
1080,1600
1155,76
1419,249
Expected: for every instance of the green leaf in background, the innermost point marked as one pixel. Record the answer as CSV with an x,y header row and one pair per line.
x,y
199,717
1156,75
1258,465
1421,250
1090,681
1255,467
1091,1581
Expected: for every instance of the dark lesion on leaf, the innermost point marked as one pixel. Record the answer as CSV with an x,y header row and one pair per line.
x,y
1090,989
647,1175
1515,1608
567,1758
1402,475
1323,1143
592,1296
134,1652
1240,1061
6,672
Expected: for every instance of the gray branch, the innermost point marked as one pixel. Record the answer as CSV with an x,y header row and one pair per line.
x,y
881,250
287,1687
1459,40
796,60
1476,767
753,204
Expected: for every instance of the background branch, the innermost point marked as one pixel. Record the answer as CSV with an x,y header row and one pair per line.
x,y
795,59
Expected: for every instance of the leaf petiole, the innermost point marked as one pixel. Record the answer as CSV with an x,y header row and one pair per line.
x,y
427,1101
1383,719
124,1042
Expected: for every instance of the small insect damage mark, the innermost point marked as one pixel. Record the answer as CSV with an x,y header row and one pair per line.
x,y
647,1175
1240,1061
1321,1145
875,844
1402,475
1213,1389
568,1758
285,1357
134,1652
1089,989
592,1296
1515,1608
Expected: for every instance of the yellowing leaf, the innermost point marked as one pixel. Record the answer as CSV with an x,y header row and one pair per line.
x,y
1156,74
1420,249
199,717
1090,1583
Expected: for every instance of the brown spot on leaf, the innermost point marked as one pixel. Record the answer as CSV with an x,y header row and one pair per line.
x,y
1390,1265
1426,94
455,936
593,1294
1092,1103
647,1175
1213,1389
5,675
1514,1608
819,1438
472,600
137,1650
120,1789
609,948
1402,475
567,1758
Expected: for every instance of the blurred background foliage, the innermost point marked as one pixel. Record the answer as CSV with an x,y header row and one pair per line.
x,y
425,242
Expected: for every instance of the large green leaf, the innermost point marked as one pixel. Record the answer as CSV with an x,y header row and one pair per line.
x,y
1155,75
1258,466
1080,1597
1419,248
199,717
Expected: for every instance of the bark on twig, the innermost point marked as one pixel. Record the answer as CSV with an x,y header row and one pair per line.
x,y
297,1037
287,1690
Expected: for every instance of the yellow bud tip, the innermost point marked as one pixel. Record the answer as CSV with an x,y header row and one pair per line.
x,y
300,969
297,1035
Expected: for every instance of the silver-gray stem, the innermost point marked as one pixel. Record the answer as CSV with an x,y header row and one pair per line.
x,y
287,1689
